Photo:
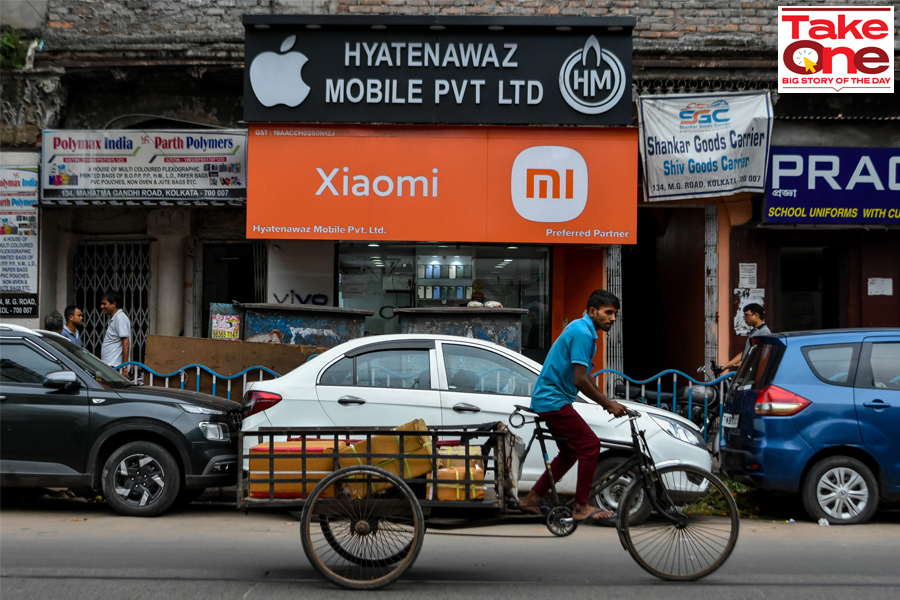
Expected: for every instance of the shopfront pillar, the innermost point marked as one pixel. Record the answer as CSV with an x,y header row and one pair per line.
x,y
171,229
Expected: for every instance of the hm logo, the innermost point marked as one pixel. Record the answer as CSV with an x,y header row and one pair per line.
x,y
560,176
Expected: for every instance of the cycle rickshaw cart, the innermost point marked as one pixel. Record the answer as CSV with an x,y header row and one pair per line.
x,y
368,493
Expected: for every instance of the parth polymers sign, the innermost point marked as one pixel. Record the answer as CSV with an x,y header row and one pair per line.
x,y
847,49
700,146
438,70
143,166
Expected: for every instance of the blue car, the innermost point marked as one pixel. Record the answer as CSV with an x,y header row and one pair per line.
x,y
818,413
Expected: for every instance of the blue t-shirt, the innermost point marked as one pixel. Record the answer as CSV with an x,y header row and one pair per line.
x,y
555,387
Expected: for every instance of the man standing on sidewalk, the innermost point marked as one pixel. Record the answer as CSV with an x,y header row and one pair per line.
x,y
567,372
73,317
116,346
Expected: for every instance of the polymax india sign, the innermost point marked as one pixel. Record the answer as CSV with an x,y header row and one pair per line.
x,y
463,184
143,165
437,70
833,186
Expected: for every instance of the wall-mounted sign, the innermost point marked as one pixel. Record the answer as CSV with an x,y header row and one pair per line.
x,y
833,185
18,242
701,146
463,184
143,165
435,70
823,50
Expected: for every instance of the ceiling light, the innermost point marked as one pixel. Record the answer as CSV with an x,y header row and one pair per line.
x,y
314,27
379,27
437,28
261,26
507,260
614,29
512,247
564,29
495,28
373,245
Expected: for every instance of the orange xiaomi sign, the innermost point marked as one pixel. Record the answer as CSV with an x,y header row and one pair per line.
x,y
459,184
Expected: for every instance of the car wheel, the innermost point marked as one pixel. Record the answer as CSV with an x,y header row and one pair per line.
x,y
608,499
841,490
141,479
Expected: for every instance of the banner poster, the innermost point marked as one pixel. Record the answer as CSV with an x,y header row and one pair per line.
x,y
698,146
833,186
144,166
18,242
226,327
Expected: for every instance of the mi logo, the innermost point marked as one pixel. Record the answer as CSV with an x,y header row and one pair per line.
x,y
549,184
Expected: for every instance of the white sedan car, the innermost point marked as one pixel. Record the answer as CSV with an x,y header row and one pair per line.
x,y
389,380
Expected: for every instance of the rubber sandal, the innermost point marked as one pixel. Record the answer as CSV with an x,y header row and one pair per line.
x,y
530,509
596,511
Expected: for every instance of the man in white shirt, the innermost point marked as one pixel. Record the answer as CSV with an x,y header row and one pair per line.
x,y
116,346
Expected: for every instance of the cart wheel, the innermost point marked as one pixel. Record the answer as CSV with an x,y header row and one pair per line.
x,y
362,527
559,521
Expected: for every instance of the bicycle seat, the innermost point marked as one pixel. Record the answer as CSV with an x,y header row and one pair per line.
x,y
525,409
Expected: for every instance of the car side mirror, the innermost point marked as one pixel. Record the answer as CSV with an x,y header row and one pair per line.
x,y
62,380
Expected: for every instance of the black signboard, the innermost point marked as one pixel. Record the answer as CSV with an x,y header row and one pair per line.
x,y
18,304
438,70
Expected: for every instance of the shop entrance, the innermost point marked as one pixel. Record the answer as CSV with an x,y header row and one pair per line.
x,y
809,293
232,271
663,293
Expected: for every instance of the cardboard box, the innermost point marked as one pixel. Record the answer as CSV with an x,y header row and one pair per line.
x,y
450,451
407,468
457,491
289,465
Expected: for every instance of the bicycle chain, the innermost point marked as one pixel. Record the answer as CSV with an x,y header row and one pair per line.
x,y
489,535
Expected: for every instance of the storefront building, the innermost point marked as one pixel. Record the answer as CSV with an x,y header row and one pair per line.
x,y
469,189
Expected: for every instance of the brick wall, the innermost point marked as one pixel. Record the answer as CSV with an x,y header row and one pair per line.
x,y
662,25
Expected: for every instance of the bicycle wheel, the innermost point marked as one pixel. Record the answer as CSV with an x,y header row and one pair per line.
x,y
692,530
362,527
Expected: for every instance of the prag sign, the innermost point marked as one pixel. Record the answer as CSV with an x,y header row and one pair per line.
x,y
571,71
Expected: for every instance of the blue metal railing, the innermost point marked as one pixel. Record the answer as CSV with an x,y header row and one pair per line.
x,y
678,401
182,375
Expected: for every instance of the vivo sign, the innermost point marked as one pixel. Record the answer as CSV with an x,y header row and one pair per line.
x,y
433,70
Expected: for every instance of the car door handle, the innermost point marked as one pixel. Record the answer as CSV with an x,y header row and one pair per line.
x,y
350,401
876,404
462,407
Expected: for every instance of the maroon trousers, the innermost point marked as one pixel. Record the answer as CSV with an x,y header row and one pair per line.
x,y
581,445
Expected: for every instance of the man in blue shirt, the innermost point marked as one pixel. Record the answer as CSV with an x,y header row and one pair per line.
x,y
73,318
565,373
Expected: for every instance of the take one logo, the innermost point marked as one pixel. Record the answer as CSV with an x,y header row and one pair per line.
x,y
703,115
276,78
549,184
592,84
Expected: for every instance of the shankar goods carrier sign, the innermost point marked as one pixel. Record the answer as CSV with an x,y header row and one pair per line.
x,y
848,49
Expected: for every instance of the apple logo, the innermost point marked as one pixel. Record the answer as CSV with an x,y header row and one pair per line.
x,y
271,76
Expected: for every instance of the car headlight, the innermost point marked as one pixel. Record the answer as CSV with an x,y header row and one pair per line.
x,y
199,410
216,432
679,431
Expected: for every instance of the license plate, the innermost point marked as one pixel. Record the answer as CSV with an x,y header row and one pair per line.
x,y
730,420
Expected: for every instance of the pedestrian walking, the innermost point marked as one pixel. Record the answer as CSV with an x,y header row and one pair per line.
x,y
116,347
74,317
53,322
754,316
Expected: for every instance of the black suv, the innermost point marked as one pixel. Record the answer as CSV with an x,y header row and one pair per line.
x,y
69,420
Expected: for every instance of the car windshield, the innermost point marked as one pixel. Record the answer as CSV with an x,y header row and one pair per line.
x,y
90,364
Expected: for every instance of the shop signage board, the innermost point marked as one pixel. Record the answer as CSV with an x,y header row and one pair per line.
x,y
460,184
438,70
697,146
833,186
836,49
18,242
146,166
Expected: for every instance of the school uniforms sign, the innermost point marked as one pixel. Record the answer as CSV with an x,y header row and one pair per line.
x,y
438,70
701,146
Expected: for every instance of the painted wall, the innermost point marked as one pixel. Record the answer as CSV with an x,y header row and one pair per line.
x,y
577,271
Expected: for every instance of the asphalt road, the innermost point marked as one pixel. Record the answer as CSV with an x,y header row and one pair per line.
x,y
58,549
